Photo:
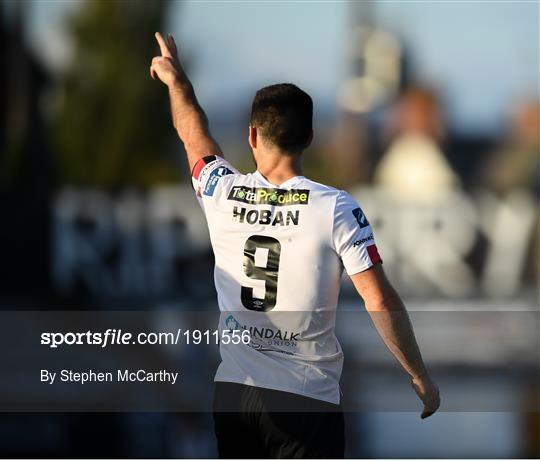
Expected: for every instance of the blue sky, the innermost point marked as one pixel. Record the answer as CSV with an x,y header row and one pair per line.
x,y
482,55
250,45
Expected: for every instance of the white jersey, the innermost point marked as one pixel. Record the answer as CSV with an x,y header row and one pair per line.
x,y
279,254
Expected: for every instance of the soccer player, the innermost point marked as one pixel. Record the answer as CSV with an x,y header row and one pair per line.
x,y
280,243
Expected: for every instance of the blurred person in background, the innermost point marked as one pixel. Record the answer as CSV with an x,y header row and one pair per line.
x,y
513,173
516,164
414,168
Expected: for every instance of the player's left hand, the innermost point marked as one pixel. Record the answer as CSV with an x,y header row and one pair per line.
x,y
428,392
166,67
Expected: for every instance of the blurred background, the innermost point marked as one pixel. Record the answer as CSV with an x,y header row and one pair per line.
x,y
427,112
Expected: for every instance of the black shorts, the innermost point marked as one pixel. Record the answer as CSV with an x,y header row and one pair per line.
x,y
253,422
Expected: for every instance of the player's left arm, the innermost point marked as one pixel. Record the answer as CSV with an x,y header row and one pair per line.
x,y
392,322
188,117
354,242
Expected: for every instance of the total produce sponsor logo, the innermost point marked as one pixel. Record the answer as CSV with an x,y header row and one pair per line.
x,y
269,196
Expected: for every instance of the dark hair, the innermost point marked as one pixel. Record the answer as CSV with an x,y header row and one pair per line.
x,y
283,114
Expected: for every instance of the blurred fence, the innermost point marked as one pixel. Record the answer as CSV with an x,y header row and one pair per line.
x,y
156,243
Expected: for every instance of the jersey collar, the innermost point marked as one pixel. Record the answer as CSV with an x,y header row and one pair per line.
x,y
290,182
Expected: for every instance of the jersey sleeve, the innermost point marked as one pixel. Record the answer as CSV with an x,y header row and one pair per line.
x,y
207,175
353,236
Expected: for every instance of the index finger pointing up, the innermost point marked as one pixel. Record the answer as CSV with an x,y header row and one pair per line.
x,y
165,51
172,45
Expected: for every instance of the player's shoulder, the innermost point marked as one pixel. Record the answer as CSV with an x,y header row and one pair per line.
x,y
337,196
325,189
342,202
210,173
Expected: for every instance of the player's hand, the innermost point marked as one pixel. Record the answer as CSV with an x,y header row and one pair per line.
x,y
167,66
428,392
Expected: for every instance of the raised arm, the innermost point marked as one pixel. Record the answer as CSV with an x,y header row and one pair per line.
x,y
393,325
188,117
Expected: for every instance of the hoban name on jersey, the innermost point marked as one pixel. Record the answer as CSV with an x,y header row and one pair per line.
x,y
268,196
266,217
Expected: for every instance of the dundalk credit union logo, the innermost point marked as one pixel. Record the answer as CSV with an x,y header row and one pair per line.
x,y
269,196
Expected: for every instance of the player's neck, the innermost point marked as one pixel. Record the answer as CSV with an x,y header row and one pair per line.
x,y
278,168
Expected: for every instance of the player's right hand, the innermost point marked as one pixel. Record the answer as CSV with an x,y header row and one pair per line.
x,y
428,392
167,66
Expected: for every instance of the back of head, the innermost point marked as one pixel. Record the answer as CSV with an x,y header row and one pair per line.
x,y
283,115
